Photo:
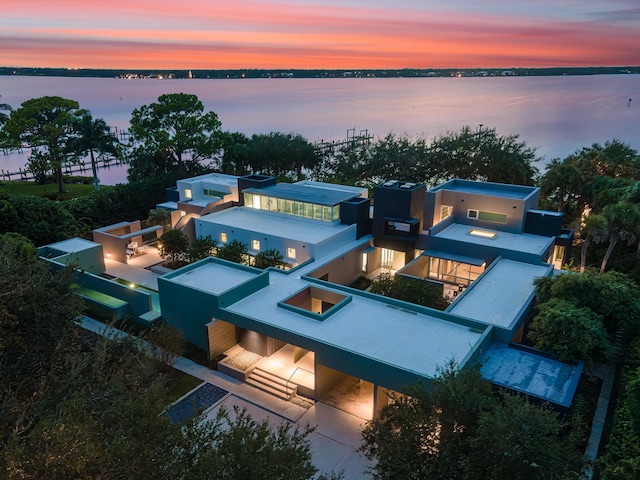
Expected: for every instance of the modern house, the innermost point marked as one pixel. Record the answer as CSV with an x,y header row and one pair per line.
x,y
484,244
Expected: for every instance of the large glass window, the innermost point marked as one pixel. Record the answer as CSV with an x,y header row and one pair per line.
x,y
292,207
487,216
450,271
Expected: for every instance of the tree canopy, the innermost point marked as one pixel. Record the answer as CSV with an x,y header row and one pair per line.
x,y
459,430
94,137
45,124
172,133
420,292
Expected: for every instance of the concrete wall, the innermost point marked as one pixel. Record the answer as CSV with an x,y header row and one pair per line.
x,y
326,379
90,259
304,251
187,309
344,270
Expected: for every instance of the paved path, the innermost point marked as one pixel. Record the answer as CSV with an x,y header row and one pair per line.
x,y
335,441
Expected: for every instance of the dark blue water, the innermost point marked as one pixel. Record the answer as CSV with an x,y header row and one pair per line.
x,y
195,403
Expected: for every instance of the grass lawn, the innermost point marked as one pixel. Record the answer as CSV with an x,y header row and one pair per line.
x,y
48,190
181,383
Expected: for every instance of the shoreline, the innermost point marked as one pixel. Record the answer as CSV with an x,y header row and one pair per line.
x,y
240,74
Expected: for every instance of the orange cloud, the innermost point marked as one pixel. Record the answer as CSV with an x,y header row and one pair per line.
x,y
201,34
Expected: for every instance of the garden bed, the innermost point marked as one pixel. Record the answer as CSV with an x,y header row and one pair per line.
x,y
239,366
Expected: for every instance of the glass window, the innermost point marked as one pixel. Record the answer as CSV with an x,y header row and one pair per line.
x,y
248,199
257,201
291,252
223,237
308,210
336,213
326,214
255,245
187,193
492,217
317,212
288,207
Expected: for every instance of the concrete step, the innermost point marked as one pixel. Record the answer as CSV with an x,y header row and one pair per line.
x,y
271,383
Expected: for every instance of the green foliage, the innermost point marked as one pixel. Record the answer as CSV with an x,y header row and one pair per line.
x,y
460,430
202,247
124,201
174,246
173,133
279,154
235,159
93,137
611,295
46,125
73,405
583,178
420,292
234,251
621,458
570,331
270,258
468,154
40,220
621,223
159,216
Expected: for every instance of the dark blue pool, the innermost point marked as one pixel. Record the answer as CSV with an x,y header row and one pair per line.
x,y
194,403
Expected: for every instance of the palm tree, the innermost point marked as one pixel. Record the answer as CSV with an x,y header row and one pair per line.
x,y
3,116
621,220
594,228
93,136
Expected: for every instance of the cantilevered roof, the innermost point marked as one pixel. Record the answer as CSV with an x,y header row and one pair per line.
x,y
485,188
500,295
304,193
454,257
531,372
274,224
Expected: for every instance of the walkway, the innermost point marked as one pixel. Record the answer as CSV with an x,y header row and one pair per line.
x,y
335,441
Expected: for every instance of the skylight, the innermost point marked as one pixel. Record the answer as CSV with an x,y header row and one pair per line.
x,y
482,233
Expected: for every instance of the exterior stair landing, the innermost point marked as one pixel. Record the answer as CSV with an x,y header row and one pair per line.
x,y
271,383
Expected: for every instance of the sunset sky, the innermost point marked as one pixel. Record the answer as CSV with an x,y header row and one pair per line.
x,y
212,34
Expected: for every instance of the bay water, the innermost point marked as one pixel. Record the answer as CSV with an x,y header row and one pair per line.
x,y
555,115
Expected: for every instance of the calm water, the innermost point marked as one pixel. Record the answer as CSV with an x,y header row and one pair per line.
x,y
556,115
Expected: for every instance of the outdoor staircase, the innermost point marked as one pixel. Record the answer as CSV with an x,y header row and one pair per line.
x,y
271,383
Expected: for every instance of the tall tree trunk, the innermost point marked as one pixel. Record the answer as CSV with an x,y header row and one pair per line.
x,y
583,253
613,240
59,179
94,170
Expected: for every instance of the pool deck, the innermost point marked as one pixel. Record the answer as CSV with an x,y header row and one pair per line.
x,y
335,441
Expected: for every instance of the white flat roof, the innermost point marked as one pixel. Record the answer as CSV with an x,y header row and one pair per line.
x,y
73,245
214,277
275,224
497,298
408,340
487,188
523,242
219,178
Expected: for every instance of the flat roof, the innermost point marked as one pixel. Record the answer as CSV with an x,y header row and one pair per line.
x,y
214,277
532,373
454,257
523,242
487,188
305,193
275,224
73,245
218,178
412,341
499,296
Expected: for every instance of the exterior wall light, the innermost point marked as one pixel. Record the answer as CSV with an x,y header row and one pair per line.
x,y
483,233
